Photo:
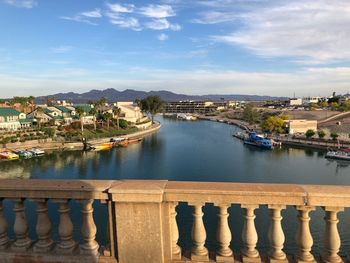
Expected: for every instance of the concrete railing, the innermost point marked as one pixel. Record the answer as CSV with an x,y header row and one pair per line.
x,y
142,221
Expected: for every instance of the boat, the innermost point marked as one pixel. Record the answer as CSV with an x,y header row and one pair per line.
x,y
258,141
186,116
8,155
36,151
23,153
135,140
340,154
101,146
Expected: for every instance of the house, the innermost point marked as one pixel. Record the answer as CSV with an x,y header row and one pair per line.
x,y
42,115
295,102
301,126
87,118
11,119
130,112
67,113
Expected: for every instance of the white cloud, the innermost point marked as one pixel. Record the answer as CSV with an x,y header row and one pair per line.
x,y
305,31
118,8
161,24
22,3
157,11
163,37
93,14
127,22
84,17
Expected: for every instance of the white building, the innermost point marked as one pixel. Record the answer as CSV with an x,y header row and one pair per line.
x,y
10,119
309,100
130,112
295,102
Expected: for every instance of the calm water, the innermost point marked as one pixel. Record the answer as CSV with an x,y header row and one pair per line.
x,y
196,151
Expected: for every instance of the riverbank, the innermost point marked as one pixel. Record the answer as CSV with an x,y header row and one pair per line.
x,y
285,140
49,144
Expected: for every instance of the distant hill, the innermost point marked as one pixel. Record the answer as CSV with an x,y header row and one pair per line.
x,y
130,95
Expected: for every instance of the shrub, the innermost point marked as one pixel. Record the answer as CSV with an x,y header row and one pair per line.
x,y
321,134
309,133
123,124
334,135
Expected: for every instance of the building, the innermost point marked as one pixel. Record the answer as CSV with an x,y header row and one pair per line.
x,y
190,106
40,115
11,119
130,112
87,118
309,100
301,126
295,102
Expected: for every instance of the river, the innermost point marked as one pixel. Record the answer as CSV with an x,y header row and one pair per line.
x,y
199,151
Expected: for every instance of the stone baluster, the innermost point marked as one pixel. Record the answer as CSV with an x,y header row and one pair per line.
x,y
303,236
4,240
43,227
88,229
249,235
65,228
276,235
22,242
175,249
331,238
223,236
199,251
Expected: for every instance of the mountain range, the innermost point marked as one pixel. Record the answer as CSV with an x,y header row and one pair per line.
x,y
130,95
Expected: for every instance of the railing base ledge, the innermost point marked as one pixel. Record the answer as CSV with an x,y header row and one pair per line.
x,y
251,260
224,259
12,257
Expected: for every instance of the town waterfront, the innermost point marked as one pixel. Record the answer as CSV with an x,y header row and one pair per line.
x,y
198,151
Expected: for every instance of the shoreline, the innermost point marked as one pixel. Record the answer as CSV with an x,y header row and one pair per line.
x,y
50,145
289,142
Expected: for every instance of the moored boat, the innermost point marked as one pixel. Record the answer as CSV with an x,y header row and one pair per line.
x,y
23,153
341,154
36,151
8,155
258,141
135,140
102,146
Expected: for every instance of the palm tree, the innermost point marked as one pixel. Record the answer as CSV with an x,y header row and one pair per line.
x,y
93,112
116,112
107,117
152,105
80,112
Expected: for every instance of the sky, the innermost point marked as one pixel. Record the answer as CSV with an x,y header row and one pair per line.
x,y
263,47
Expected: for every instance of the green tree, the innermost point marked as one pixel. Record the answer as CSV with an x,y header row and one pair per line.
x,y
152,105
107,116
309,133
321,134
273,124
80,112
93,112
250,114
116,112
334,135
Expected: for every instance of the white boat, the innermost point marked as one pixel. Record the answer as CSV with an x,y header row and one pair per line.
x,y
340,154
186,116
36,151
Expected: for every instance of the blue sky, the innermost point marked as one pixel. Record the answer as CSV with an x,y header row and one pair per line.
x,y
194,47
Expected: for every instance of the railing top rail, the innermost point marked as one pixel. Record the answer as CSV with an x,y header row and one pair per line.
x,y
174,191
65,189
